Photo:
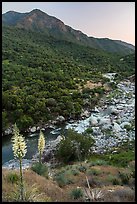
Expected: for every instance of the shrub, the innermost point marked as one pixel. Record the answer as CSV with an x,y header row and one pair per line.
x,y
76,193
89,130
98,162
124,177
82,168
94,172
128,127
40,169
62,180
122,158
74,146
75,172
13,177
115,181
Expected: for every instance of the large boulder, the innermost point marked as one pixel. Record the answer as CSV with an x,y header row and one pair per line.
x,y
93,121
60,119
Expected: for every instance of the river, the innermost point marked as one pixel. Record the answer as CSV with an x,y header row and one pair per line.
x,y
32,143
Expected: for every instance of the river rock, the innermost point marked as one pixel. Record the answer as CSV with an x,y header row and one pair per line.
x,y
14,164
43,129
96,110
60,119
116,127
38,128
85,114
125,124
93,121
8,131
33,129
104,121
54,143
113,110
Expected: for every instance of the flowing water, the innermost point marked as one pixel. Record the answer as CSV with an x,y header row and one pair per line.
x,y
32,143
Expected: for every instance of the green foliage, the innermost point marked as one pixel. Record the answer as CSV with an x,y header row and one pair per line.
x,y
94,172
75,172
40,169
122,158
38,76
74,146
89,131
76,193
114,180
98,162
13,177
128,127
82,168
124,177
63,180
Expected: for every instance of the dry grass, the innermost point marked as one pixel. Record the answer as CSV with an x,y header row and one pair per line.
x,y
92,85
47,187
52,192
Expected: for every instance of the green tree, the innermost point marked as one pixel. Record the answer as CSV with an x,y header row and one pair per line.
x,y
74,146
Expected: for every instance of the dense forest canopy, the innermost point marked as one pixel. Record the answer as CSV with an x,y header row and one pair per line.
x,y
41,76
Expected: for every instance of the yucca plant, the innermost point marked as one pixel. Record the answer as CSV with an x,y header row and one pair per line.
x,y
41,145
19,151
93,195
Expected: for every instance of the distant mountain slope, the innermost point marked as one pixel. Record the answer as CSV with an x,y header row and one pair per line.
x,y
36,20
12,17
41,76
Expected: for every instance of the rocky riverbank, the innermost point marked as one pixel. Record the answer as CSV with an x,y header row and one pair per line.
x,y
111,123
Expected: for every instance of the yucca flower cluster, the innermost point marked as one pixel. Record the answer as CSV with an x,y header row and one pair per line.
x,y
19,151
19,147
41,144
19,144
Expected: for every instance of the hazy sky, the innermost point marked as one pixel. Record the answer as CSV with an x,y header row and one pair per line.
x,y
114,20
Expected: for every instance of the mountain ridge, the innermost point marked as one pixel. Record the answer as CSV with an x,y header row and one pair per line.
x,y
39,21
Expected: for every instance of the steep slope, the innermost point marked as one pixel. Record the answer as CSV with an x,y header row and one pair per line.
x,y
41,76
36,20
11,17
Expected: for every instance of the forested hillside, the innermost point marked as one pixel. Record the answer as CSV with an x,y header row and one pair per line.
x,y
41,76
39,21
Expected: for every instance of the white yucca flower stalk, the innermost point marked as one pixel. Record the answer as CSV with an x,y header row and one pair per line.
x,y
19,146
19,151
41,144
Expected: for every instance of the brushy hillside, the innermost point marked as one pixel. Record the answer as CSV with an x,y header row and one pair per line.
x,y
42,75
108,177
69,183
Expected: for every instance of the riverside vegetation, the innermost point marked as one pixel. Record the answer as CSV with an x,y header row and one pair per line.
x,y
98,178
45,77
